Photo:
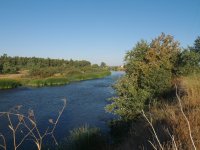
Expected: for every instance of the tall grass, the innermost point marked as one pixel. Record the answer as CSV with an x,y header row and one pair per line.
x,y
47,82
9,83
87,76
65,80
52,81
84,138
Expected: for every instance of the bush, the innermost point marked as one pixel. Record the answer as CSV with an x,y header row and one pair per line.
x,y
149,72
84,138
43,72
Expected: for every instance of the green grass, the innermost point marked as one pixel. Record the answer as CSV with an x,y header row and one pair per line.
x,y
84,138
9,83
87,76
47,82
52,81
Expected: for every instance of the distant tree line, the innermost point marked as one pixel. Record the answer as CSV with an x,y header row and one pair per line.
x,y
44,67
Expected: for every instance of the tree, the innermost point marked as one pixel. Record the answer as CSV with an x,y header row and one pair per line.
x,y
9,68
103,65
189,59
197,45
149,71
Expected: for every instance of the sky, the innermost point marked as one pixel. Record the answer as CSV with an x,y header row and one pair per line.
x,y
94,30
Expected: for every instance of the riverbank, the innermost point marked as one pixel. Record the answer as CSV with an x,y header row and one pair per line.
x,y
8,83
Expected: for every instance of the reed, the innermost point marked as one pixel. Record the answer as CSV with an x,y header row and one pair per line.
x,y
84,138
9,83
47,82
53,81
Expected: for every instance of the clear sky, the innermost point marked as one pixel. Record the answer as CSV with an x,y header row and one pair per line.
x,y
95,30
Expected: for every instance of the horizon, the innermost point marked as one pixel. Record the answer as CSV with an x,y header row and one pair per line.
x,y
97,31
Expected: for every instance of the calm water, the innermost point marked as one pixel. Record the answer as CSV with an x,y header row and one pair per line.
x,y
85,104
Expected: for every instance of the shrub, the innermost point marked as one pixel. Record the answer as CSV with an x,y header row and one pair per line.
x,y
149,72
84,138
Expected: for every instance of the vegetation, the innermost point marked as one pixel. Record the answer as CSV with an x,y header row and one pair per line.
x,y
84,138
149,72
153,112
8,83
48,72
157,99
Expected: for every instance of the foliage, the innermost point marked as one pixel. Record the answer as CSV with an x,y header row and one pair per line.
x,y
69,77
49,72
189,59
103,64
8,83
48,82
196,47
189,62
13,64
84,138
149,72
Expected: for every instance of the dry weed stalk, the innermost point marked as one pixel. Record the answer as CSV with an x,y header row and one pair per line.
x,y
154,132
29,124
186,119
4,142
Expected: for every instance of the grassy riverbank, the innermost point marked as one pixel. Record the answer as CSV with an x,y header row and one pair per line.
x,y
37,72
7,83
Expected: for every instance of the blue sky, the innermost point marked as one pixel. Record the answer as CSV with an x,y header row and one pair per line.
x,y
95,30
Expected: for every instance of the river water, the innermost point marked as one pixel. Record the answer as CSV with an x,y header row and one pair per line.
x,y
85,104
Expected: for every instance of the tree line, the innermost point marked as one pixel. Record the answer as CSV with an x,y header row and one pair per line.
x,y
45,67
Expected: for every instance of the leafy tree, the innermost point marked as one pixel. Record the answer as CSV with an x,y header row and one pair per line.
x,y
103,65
149,71
95,65
196,46
9,68
189,59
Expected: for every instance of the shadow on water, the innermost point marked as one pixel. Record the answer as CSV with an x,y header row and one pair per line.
x,y
85,104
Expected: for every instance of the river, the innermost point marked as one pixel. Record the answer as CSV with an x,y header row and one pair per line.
x,y
85,104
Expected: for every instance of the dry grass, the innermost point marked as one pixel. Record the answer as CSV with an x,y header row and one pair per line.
x,y
182,118
14,76
191,86
171,126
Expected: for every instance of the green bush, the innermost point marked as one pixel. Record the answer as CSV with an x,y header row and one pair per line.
x,y
149,72
189,62
84,138
43,72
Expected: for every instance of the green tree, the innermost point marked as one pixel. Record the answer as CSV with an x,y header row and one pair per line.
x,y
9,68
103,65
196,46
189,59
149,71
